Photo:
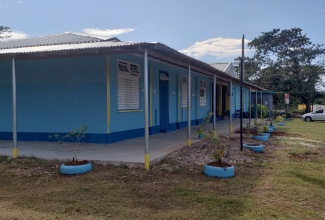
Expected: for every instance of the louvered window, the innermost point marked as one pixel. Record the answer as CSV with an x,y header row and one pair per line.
x,y
203,93
184,92
128,83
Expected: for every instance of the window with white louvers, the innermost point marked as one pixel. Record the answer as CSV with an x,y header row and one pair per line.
x,y
184,92
203,93
128,83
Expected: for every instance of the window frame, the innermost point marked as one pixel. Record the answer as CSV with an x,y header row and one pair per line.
x,y
128,86
203,88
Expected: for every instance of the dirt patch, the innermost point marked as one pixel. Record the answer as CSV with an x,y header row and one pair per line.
x,y
303,144
201,153
76,162
303,139
219,164
27,167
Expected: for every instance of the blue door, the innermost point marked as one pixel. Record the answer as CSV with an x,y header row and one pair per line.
x,y
164,105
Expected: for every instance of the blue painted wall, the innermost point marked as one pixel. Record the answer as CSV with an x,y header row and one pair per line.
x,y
130,120
246,100
55,95
235,99
5,96
58,95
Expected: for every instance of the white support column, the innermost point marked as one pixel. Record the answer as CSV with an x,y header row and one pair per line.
x,y
230,103
189,96
146,111
14,119
214,101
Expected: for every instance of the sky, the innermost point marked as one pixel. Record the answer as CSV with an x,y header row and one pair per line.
x,y
208,30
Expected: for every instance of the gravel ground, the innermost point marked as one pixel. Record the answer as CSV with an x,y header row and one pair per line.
x,y
200,152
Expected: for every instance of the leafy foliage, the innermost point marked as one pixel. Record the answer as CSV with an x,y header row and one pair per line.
x,y
220,147
265,111
205,122
260,127
279,119
286,61
75,136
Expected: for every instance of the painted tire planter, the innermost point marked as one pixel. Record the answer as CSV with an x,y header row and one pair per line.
x,y
270,130
201,136
273,127
255,148
261,138
221,172
266,134
75,169
281,124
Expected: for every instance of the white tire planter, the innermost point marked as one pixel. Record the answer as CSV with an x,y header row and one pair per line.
x,y
75,169
221,172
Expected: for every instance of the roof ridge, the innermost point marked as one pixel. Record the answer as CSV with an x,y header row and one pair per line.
x,y
52,39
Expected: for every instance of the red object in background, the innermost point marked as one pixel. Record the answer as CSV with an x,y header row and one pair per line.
x,y
286,98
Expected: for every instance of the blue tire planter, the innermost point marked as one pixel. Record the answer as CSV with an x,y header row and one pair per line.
x,y
75,169
201,136
261,138
281,124
221,172
270,130
256,148
266,134
273,127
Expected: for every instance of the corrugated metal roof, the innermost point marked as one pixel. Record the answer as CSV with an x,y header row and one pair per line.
x,y
64,47
70,42
220,66
226,67
55,39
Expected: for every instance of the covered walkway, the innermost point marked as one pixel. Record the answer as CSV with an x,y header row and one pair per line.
x,y
128,151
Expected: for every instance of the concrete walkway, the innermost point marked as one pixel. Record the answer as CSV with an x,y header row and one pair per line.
x,y
128,151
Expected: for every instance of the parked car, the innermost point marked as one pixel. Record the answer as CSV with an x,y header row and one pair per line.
x,y
318,115
279,112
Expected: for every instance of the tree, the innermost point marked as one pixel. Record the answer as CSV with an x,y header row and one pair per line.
x,y
4,31
251,68
288,63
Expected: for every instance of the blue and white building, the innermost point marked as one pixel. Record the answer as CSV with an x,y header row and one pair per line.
x,y
55,83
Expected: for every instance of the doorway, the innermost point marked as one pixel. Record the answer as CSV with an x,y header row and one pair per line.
x,y
164,101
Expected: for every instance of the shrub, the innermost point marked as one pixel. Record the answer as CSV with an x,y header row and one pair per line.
x,y
265,111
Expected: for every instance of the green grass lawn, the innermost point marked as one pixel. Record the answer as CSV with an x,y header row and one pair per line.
x,y
285,183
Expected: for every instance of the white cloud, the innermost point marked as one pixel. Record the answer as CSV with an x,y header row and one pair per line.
x,y
217,47
106,33
14,35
